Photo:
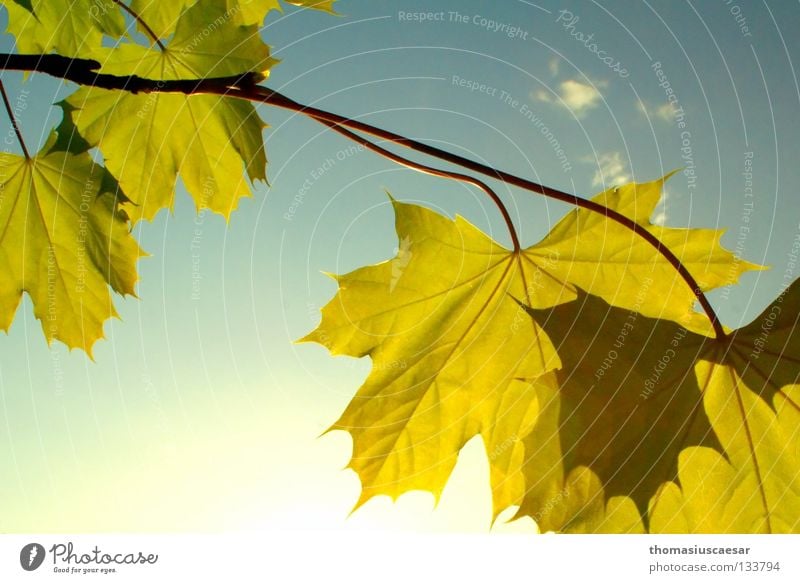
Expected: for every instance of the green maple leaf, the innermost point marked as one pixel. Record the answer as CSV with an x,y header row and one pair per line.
x,y
652,426
73,28
325,5
67,139
255,11
26,4
64,243
610,261
751,393
148,140
162,17
608,436
448,344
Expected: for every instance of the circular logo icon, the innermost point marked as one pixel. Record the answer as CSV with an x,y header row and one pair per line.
x,y
31,556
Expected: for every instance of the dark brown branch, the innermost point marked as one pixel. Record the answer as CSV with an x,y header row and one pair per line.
x,y
83,72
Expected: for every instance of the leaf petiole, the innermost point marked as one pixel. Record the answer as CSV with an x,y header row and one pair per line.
x,y
433,172
14,123
146,27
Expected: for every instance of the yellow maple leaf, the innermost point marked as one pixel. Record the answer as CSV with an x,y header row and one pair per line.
x,y
162,17
210,140
751,394
64,242
70,27
610,261
651,425
446,343
324,5
449,344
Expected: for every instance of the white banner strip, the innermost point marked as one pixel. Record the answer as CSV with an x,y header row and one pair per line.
x,y
331,556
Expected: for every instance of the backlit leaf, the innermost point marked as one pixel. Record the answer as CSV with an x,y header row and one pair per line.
x,y
610,261
447,343
73,28
148,140
26,4
326,5
607,435
650,425
64,243
162,17
751,393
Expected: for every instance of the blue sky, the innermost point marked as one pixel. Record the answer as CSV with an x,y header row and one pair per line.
x,y
200,413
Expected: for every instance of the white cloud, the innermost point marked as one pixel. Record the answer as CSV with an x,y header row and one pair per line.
x,y
664,112
612,170
554,65
573,95
579,97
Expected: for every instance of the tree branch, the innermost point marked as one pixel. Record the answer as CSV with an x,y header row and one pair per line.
x,y
271,97
85,72
245,86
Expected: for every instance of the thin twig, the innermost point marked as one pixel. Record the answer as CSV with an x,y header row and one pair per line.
x,y
268,96
433,172
14,122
